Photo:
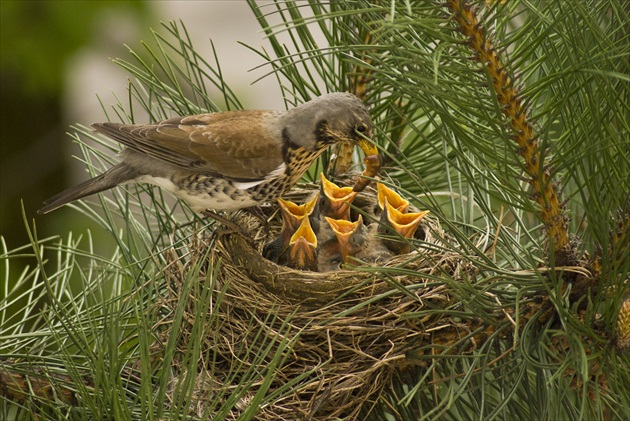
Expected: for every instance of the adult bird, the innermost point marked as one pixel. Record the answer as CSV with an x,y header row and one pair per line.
x,y
228,160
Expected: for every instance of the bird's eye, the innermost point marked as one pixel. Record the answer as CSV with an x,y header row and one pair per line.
x,y
362,128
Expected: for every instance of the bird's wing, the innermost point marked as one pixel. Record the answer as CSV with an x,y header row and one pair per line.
x,y
233,144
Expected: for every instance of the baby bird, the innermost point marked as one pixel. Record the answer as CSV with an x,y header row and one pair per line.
x,y
303,251
292,216
403,225
351,236
394,199
336,200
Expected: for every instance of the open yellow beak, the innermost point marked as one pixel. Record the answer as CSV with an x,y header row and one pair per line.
x,y
393,198
298,210
344,230
404,224
338,199
303,247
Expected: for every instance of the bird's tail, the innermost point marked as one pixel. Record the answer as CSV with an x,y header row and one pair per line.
x,y
107,180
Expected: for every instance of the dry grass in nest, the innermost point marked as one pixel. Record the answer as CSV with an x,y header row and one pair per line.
x,y
342,335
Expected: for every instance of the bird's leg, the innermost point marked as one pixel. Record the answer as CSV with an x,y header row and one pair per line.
x,y
258,213
233,227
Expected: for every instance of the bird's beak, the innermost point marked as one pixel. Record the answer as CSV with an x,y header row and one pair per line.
x,y
373,162
303,247
298,210
367,147
404,224
338,199
343,230
293,213
392,197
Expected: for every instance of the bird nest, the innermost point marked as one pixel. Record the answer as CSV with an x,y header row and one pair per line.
x,y
321,344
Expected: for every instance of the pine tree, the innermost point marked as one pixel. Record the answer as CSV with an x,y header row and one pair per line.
x,y
508,121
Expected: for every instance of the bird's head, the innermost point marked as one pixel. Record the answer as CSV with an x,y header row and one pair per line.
x,y
329,119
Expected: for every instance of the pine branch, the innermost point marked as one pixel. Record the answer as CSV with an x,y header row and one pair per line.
x,y
511,100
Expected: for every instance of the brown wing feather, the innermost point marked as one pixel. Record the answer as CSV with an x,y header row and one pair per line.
x,y
233,144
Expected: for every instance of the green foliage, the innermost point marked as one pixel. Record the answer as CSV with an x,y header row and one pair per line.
x,y
28,47
448,148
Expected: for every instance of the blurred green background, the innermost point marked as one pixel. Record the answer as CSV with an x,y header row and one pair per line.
x,y
56,64
40,42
